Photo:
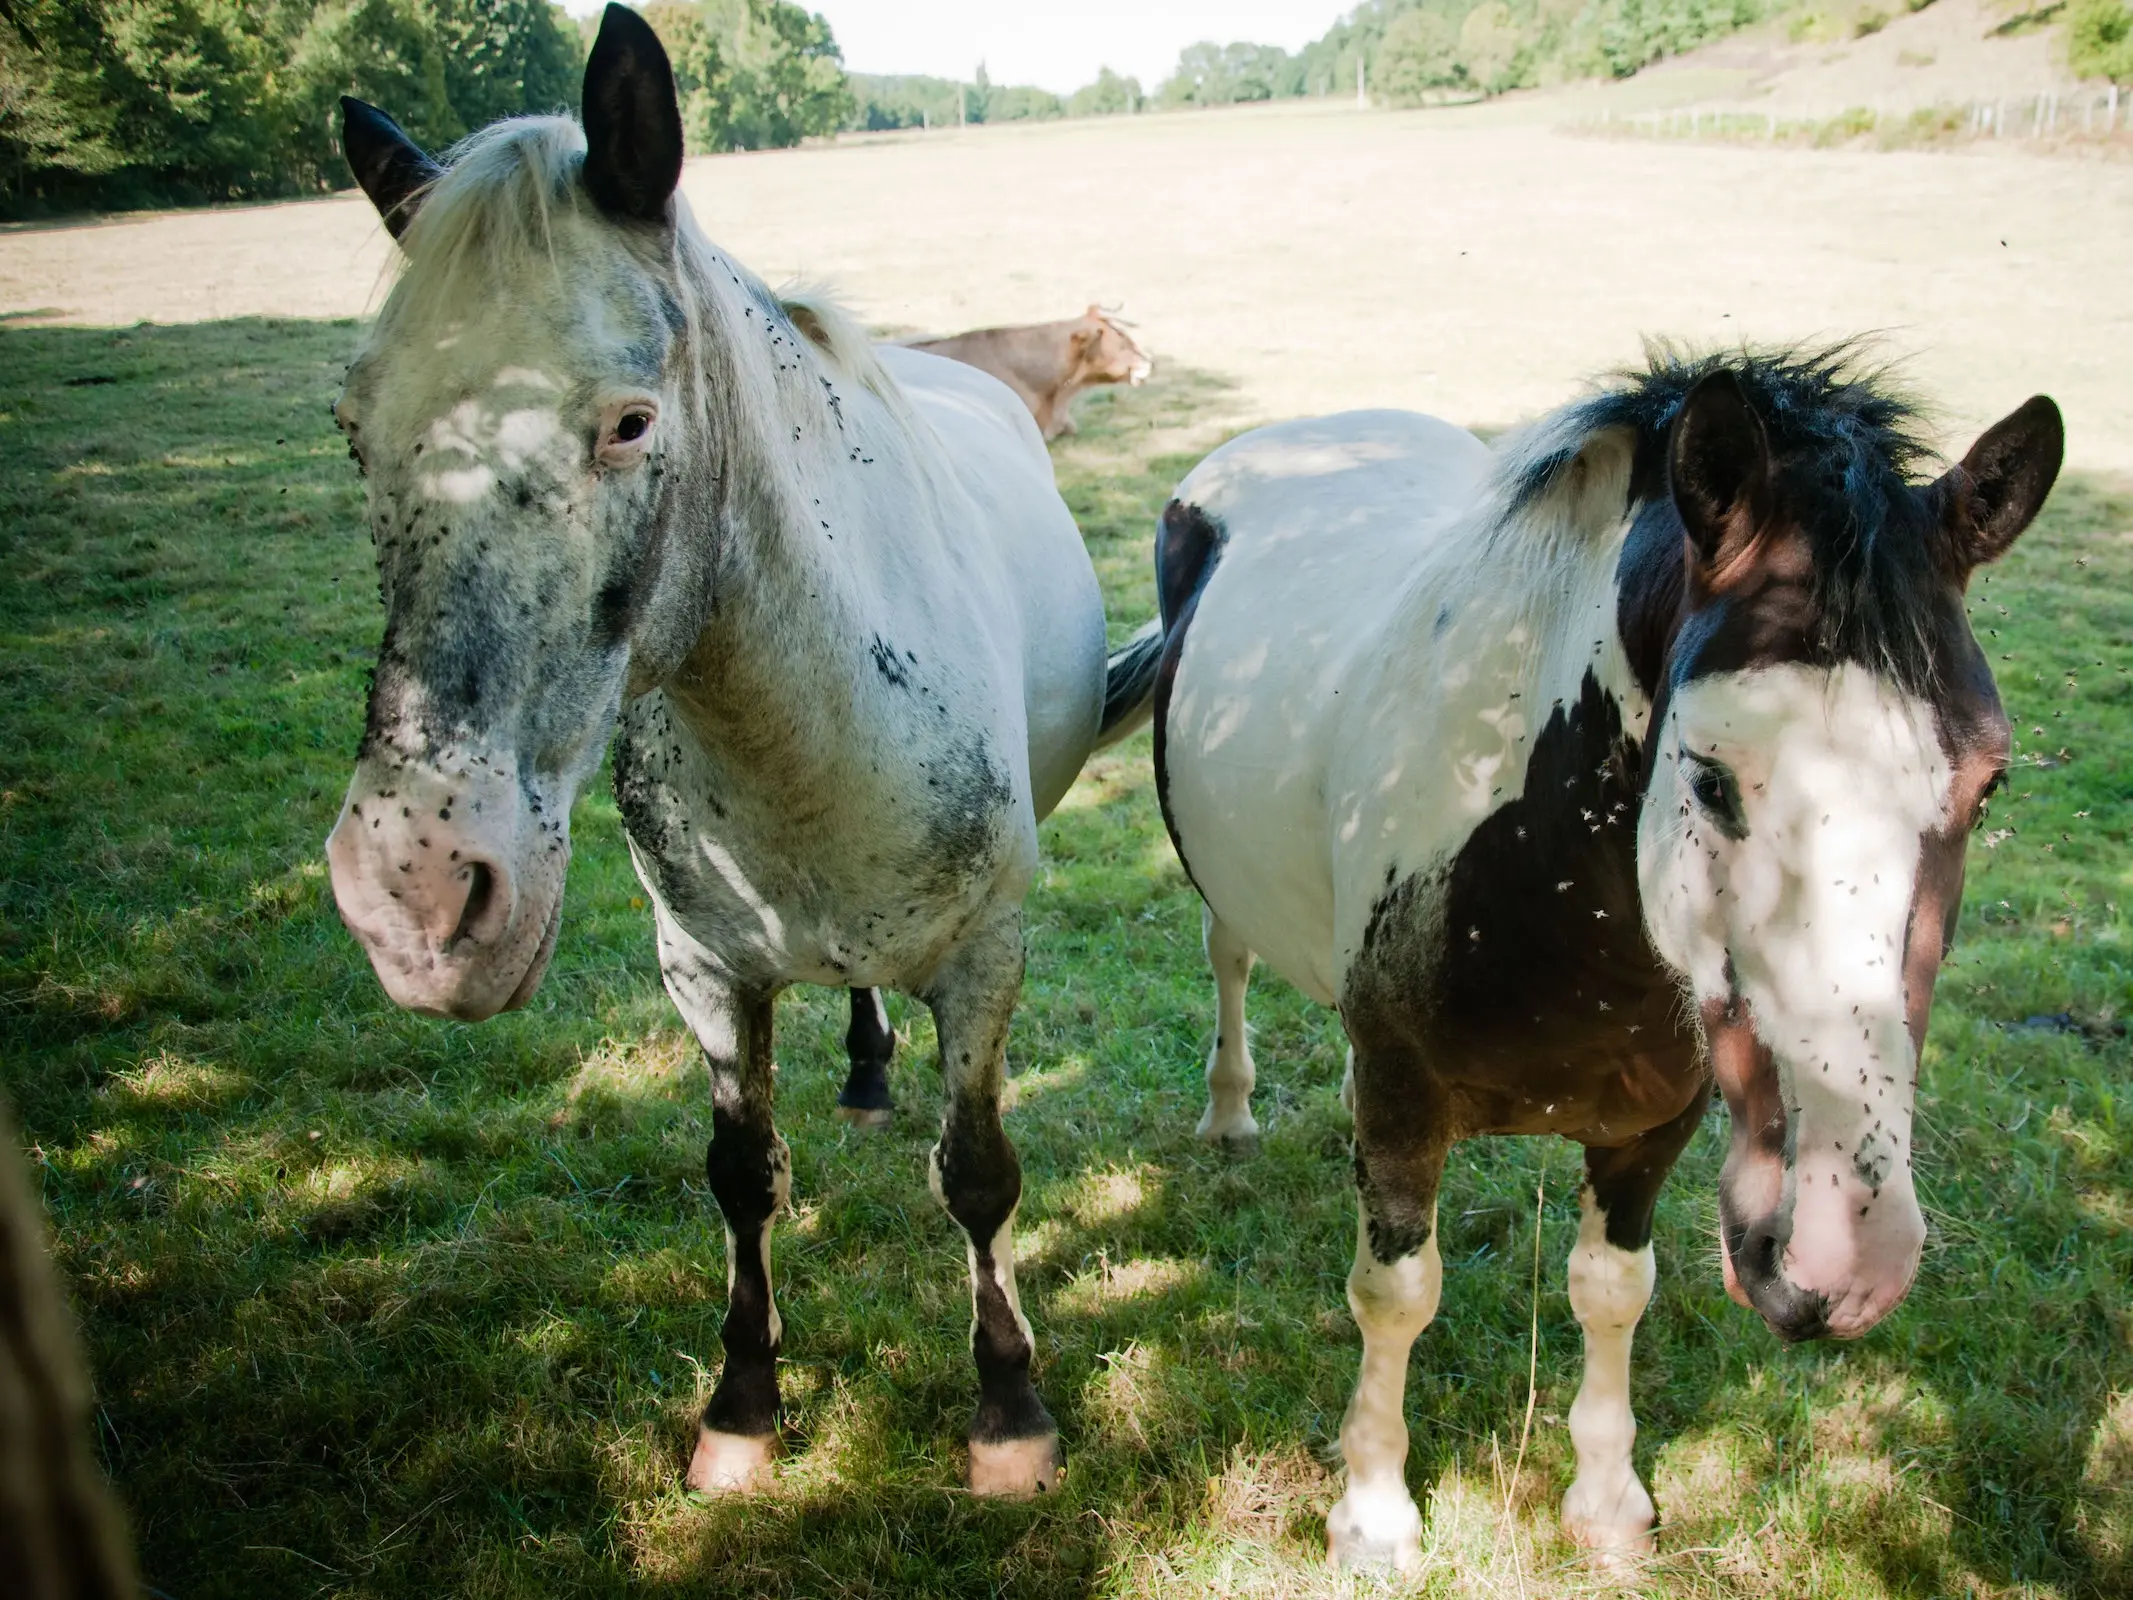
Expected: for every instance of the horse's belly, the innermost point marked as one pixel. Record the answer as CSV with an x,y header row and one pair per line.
x,y
1250,823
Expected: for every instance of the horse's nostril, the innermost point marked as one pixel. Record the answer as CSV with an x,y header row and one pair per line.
x,y
481,894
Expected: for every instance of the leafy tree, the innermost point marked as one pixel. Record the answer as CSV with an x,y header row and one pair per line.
x,y
1489,45
115,101
787,74
2100,39
1018,102
383,51
1420,52
1109,96
53,118
1208,74
505,57
901,101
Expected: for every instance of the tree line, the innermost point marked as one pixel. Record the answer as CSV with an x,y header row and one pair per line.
x,y
118,102
1408,50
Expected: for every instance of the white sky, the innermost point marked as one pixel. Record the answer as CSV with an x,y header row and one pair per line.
x,y
1055,44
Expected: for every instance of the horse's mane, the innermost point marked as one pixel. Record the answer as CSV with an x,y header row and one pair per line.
x,y
1847,445
837,334
494,209
490,211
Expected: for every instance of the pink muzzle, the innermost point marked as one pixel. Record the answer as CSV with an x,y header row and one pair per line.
x,y
452,883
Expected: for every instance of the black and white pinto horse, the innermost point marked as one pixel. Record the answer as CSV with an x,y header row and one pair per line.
x,y
825,599
1637,753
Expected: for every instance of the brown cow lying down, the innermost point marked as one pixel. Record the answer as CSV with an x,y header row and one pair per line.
x,y
1049,363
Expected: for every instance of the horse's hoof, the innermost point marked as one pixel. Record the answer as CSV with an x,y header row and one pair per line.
x,y
1237,1133
866,1119
1610,1547
1015,1469
1367,1532
732,1463
1611,1523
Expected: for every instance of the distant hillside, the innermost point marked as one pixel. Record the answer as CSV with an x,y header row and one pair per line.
x,y
1412,50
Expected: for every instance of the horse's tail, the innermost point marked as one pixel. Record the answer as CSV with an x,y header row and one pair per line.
x,y
1129,684
1188,542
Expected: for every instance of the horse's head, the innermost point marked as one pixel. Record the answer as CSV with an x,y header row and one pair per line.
x,y
516,412
1823,738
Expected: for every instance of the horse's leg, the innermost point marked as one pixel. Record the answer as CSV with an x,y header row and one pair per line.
x,y
1014,1444
865,1102
1611,1271
1393,1291
750,1173
1228,1117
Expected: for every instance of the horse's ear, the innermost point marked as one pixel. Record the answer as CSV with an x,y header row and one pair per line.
x,y
2000,486
390,166
1718,469
632,120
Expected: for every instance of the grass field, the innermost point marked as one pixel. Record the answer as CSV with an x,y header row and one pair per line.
x,y
382,1306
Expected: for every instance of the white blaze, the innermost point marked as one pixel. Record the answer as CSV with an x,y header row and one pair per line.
x,y
1840,775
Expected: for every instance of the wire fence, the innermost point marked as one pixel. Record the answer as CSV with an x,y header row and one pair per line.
x,y
2099,113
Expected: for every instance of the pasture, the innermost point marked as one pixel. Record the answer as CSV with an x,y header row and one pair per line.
x,y
384,1306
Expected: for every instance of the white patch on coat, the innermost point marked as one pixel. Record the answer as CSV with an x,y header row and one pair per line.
x,y
1376,1522
1607,1507
1367,668
1840,776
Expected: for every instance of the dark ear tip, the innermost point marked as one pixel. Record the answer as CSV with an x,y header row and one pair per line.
x,y
626,19
1718,381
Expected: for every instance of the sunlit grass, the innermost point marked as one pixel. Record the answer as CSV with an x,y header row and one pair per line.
x,y
382,1306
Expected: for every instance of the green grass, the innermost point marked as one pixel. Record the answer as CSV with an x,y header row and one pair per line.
x,y
383,1306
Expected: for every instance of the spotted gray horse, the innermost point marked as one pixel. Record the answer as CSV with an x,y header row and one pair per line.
x,y
826,601
1639,751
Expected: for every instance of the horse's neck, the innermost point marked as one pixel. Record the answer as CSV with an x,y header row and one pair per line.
x,y
778,675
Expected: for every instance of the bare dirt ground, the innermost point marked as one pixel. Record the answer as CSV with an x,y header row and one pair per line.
x,y
1472,263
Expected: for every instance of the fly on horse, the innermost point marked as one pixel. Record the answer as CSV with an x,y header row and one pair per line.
x,y
1637,753
826,602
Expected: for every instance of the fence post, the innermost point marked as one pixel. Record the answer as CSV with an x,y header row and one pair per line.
x,y
2111,126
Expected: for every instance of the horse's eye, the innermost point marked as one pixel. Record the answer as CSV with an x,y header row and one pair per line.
x,y
1984,799
1717,793
632,425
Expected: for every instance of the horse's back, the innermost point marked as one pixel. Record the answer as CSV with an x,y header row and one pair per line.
x,y
1384,472
1320,527
1023,544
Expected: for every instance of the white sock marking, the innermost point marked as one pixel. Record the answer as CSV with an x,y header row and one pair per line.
x,y
1377,1521
1607,1507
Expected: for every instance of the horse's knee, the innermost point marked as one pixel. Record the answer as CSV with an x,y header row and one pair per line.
x,y
1609,1286
749,1170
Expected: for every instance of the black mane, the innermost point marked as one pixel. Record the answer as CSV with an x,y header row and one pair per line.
x,y
1847,449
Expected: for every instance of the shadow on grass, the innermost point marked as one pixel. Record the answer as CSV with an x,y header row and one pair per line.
x,y
385,1306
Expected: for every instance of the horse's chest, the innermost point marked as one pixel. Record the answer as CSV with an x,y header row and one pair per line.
x,y
857,880
1515,973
